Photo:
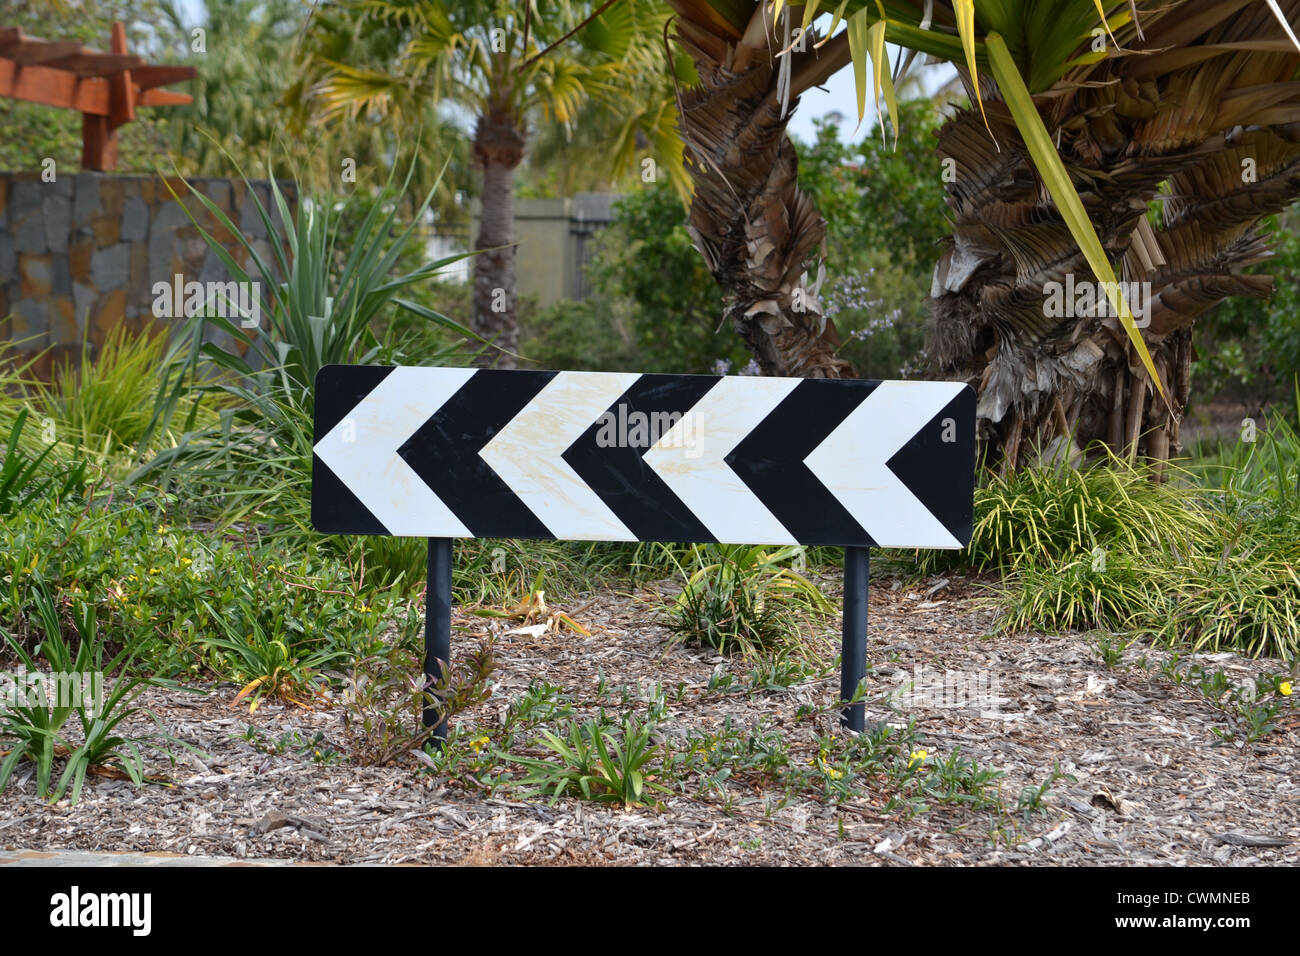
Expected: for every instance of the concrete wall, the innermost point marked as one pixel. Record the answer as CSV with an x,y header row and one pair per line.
x,y
554,243
80,255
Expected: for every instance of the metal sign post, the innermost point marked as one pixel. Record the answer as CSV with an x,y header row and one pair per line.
x,y
853,639
442,453
437,631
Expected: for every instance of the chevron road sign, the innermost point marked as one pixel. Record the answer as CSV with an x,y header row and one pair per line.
x,y
445,453
611,456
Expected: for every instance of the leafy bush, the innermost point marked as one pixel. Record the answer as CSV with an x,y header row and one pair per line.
x,y
1046,513
593,762
101,404
1207,560
885,214
1249,349
186,595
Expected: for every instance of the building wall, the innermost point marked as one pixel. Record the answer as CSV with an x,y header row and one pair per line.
x,y
554,243
80,255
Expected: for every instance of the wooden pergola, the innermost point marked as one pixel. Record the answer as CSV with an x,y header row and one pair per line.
x,y
104,87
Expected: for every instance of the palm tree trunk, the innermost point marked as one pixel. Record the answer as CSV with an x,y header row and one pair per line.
x,y
499,142
757,231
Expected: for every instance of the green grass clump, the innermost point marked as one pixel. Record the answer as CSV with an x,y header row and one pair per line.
x,y
1208,559
34,726
746,599
196,602
1045,514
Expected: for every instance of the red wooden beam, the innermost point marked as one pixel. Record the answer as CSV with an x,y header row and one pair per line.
x,y
95,64
31,52
40,84
147,77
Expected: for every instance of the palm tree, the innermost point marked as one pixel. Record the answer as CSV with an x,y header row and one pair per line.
x,y
484,57
1101,110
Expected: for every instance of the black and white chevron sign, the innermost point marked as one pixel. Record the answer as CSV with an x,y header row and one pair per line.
x,y
611,456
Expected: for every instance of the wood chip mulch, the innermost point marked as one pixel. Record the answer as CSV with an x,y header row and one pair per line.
x,y
1153,783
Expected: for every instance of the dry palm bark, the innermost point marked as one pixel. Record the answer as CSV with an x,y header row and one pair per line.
x,y
1202,111
758,232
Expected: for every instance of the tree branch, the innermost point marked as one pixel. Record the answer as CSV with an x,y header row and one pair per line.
x,y
529,62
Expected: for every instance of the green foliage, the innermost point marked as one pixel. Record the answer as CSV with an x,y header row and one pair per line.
x,y
874,197
885,214
321,302
387,694
1048,513
193,602
1258,468
1207,559
655,308
95,403
25,479
1250,707
738,598
593,762
1080,592
1249,349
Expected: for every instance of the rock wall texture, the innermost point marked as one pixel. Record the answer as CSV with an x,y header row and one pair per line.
x,y
80,255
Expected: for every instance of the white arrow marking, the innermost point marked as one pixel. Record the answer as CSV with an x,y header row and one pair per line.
x,y
689,458
526,454
851,463
369,464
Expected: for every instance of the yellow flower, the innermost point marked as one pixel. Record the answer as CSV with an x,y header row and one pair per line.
x,y
1284,688
132,577
918,756
162,529
154,571
185,561
820,763
478,743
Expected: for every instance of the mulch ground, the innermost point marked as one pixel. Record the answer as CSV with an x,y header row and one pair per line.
x,y
1153,783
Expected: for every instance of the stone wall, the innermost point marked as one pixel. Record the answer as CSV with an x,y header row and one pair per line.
x,y
81,255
